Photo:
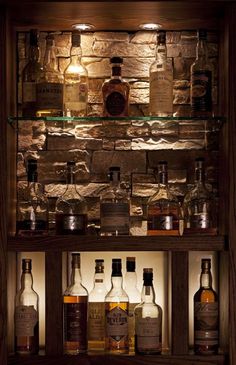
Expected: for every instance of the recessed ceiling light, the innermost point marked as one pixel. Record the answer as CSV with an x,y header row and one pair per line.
x,y
83,26
150,26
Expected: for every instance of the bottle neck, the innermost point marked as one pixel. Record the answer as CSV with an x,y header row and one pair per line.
x,y
26,280
163,177
199,176
116,282
50,60
70,178
161,54
201,50
75,54
98,280
131,278
116,72
75,276
34,53
206,279
148,294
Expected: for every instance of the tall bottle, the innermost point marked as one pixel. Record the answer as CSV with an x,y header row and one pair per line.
x,y
75,81
116,314
49,88
201,80
130,286
71,208
161,80
206,314
32,215
75,311
199,207
115,92
30,75
26,314
114,207
96,318
163,208
148,319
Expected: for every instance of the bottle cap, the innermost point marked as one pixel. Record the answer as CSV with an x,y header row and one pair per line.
x,y
114,173
147,276
33,37
32,174
206,263
26,265
75,38
161,37
199,162
116,267
202,34
50,40
70,163
116,59
99,266
130,264
75,260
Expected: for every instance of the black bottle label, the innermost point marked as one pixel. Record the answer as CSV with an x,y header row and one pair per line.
x,y
201,91
75,323
206,324
115,104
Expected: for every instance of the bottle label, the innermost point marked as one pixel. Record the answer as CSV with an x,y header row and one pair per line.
x,y
148,334
206,323
49,95
201,91
117,324
75,323
76,93
26,318
96,321
29,92
115,104
74,222
115,217
200,220
161,92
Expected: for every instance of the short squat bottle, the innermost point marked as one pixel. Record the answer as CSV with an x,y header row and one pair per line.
x,y
26,314
206,314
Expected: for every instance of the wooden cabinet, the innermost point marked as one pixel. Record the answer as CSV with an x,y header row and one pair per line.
x,y
117,16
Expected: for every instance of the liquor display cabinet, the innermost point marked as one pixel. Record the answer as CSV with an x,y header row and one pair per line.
x,y
123,18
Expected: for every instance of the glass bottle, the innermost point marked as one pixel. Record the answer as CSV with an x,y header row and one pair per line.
x,y
148,319
71,208
26,314
130,286
75,81
161,80
116,314
32,215
49,88
96,318
199,207
201,80
114,207
206,314
116,92
163,208
30,75
75,310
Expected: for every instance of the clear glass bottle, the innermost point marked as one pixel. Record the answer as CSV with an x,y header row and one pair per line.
x,y
49,88
75,81
116,314
114,207
130,286
201,73
206,314
32,210
116,92
199,207
26,314
30,75
163,209
71,208
161,80
148,319
96,318
75,311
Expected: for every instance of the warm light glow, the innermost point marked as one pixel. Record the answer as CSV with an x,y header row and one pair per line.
x,y
83,26
150,26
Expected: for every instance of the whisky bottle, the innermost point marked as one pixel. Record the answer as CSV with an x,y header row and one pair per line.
x,y
96,318
201,80
49,88
206,314
75,81
130,286
71,208
75,309
116,314
32,214
199,207
161,81
115,92
148,319
30,75
163,207
114,207
26,314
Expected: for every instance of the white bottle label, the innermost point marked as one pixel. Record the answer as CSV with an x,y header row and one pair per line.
x,y
29,92
26,317
115,217
117,324
148,334
49,95
76,93
96,321
161,92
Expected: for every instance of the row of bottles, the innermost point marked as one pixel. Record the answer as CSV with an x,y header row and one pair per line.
x,y
47,92
118,321
165,213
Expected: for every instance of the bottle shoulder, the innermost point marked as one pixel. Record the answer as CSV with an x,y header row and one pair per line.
x,y
76,290
205,295
163,193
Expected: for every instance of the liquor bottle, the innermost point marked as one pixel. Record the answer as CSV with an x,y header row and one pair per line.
x,y
75,81
75,310
114,207
148,319
49,88
199,207
71,208
130,286
32,215
30,75
115,92
163,207
96,318
116,314
206,314
161,81
26,314
201,80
